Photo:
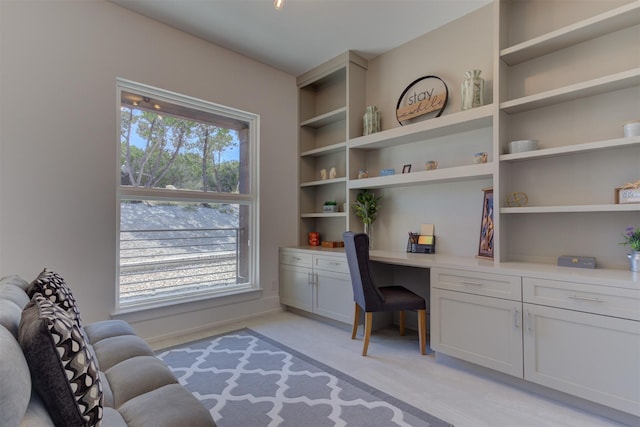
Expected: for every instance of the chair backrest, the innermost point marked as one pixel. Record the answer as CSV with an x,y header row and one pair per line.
x,y
365,293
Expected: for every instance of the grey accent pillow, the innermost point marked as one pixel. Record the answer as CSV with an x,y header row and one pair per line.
x,y
63,371
53,287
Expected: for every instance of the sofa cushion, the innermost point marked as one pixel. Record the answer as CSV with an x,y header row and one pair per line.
x,y
10,316
111,351
15,381
138,375
14,289
98,331
158,409
62,369
53,287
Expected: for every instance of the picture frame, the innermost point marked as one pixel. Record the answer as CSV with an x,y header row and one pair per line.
x,y
406,169
485,245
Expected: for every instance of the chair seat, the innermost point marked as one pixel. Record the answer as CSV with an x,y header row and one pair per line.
x,y
398,298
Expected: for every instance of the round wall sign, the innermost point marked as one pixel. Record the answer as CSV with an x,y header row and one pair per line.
x,y
428,94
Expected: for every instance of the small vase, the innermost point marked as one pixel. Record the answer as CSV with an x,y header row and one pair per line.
x,y
371,120
472,90
368,228
634,261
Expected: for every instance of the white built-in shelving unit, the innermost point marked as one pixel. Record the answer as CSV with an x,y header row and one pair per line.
x,y
571,87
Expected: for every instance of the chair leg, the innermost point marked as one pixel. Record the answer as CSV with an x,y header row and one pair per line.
x,y
422,330
368,320
402,318
356,319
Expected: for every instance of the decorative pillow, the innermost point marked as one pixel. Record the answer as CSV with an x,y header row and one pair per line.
x,y
53,287
62,369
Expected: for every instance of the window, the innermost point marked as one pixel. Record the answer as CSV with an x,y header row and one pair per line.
x,y
188,198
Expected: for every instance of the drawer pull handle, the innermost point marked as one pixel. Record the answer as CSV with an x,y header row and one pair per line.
x,y
591,299
464,282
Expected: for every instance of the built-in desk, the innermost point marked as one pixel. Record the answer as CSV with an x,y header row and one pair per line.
x,y
569,329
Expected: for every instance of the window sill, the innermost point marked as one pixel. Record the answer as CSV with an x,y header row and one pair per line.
x,y
161,309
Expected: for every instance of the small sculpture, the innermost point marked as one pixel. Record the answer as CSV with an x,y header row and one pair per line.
x,y
517,199
332,173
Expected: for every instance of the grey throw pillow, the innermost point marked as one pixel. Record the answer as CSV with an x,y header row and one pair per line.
x,y
62,368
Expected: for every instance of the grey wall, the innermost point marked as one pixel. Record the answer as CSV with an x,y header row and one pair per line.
x,y
59,133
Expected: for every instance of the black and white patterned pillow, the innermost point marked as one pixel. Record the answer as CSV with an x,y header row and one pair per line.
x,y
53,287
62,368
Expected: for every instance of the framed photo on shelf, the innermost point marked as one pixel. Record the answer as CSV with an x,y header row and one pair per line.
x,y
485,247
406,169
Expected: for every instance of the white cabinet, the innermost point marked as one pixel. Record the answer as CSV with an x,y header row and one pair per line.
x,y
477,317
584,341
317,283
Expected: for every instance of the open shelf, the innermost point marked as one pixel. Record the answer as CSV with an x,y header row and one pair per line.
x,y
326,118
452,174
623,80
613,20
322,182
475,118
323,215
323,151
572,149
572,208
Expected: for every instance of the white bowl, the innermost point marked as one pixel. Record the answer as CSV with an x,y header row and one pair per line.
x,y
632,129
523,145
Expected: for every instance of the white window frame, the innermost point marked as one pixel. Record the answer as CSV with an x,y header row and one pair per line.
x,y
140,193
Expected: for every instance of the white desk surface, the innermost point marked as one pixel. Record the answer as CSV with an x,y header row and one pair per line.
x,y
597,276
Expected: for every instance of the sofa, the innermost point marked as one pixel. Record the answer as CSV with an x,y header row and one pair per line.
x,y
57,371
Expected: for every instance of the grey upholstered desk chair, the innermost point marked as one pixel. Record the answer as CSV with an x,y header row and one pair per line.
x,y
372,299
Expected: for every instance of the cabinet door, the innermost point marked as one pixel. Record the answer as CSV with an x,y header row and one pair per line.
x,y
591,356
296,287
334,296
481,330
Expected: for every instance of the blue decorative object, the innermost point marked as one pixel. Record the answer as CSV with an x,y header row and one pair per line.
x,y
387,172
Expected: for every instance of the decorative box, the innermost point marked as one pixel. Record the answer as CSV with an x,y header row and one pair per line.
x,y
629,193
576,261
387,172
330,244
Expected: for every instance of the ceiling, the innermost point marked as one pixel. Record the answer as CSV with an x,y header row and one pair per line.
x,y
304,33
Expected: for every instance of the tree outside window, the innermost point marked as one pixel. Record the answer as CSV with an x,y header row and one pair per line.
x,y
187,197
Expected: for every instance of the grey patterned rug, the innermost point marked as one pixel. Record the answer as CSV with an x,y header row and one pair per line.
x,y
249,380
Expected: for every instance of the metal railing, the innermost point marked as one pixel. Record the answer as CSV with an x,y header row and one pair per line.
x,y
156,262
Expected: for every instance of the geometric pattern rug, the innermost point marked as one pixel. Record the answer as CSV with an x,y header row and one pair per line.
x,y
248,380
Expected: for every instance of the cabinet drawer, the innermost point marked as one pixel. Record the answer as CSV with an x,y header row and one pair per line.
x,y
336,264
296,258
472,282
617,302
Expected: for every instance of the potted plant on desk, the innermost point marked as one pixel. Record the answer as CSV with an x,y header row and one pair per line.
x,y
330,206
366,208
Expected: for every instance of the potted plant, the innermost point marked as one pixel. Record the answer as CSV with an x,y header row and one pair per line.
x,y
330,206
632,239
366,208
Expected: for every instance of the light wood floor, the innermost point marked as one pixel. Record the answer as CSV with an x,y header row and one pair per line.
x,y
395,366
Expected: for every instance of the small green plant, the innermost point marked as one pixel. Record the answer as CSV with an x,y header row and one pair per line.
x,y
632,238
330,203
366,206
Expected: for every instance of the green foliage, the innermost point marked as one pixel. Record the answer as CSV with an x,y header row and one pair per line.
x,y
366,206
632,238
330,203
175,153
